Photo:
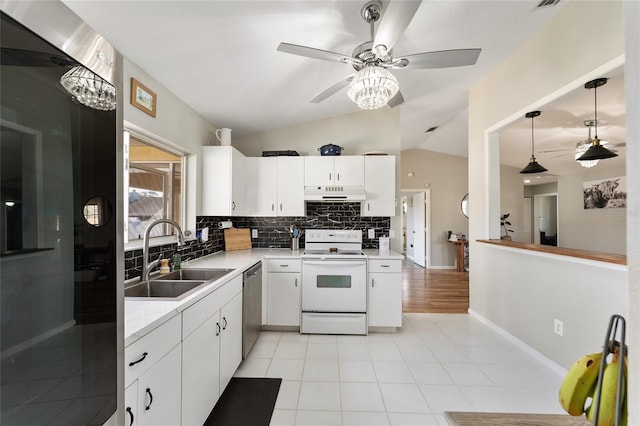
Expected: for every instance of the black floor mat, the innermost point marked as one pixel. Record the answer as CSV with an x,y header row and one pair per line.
x,y
245,401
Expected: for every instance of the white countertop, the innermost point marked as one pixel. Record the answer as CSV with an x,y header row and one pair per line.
x,y
142,316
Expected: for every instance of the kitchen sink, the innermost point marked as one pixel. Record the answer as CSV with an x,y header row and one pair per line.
x,y
194,274
174,285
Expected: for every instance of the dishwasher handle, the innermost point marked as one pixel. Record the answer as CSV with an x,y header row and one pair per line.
x,y
253,271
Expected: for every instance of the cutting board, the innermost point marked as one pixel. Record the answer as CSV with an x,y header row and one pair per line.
x,y
237,239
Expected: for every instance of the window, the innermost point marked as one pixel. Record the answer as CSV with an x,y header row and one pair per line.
x,y
154,188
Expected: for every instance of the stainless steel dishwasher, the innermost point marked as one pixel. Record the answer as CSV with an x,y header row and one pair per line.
x,y
251,307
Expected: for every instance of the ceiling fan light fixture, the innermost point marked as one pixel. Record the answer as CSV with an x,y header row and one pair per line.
x,y
533,166
372,87
89,88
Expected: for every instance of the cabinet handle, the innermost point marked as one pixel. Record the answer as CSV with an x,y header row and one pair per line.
x,y
217,329
373,283
338,176
144,355
130,411
273,207
368,206
233,205
329,177
280,206
284,266
224,327
384,266
150,399
296,282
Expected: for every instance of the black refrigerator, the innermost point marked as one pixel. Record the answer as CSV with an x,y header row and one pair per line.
x,y
59,230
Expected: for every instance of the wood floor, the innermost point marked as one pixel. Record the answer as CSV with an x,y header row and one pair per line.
x,y
434,290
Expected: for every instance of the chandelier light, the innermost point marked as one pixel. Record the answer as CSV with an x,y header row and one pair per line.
x,y
596,151
533,166
372,87
89,88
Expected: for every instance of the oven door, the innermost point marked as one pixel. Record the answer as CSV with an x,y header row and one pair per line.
x,y
334,285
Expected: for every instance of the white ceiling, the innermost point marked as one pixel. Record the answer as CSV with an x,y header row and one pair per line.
x,y
220,57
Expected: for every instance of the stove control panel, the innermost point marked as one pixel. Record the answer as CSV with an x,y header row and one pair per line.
x,y
334,235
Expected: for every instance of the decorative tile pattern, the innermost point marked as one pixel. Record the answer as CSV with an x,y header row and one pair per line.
x,y
273,232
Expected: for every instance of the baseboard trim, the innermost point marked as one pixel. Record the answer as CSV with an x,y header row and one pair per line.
x,y
552,365
442,267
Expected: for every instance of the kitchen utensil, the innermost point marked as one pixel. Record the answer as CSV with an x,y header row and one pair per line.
x,y
237,239
224,136
330,149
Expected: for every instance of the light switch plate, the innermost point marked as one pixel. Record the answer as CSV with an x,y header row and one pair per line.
x,y
372,233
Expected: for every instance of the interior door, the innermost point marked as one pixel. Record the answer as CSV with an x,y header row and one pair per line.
x,y
419,227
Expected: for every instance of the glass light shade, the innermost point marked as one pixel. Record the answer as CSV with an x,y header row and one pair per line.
x,y
89,88
581,148
372,87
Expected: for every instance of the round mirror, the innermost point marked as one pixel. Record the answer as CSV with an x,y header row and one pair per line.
x,y
464,205
97,211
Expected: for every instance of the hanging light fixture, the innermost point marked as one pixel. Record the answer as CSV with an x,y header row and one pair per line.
x,y
89,88
596,151
533,166
583,146
372,87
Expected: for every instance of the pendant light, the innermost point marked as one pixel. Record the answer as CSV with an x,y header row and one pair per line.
x,y
596,151
533,166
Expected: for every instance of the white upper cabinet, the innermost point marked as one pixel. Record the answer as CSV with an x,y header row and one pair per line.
x,y
223,182
334,170
379,185
276,186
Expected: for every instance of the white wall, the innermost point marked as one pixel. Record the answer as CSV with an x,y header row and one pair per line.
x,y
518,290
511,193
447,177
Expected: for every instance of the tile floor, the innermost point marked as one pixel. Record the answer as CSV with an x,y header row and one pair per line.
x,y
435,363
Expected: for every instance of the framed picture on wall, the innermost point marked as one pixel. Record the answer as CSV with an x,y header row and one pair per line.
x,y
605,193
143,98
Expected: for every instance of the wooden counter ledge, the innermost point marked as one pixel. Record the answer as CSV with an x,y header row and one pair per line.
x,y
619,259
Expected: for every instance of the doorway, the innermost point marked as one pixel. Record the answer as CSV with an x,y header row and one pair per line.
x,y
416,226
545,223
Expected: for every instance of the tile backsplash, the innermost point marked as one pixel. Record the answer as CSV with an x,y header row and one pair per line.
x,y
273,232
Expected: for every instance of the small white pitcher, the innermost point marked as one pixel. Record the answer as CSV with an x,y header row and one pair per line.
x,y
224,136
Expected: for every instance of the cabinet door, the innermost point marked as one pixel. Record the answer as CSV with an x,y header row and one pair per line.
x,y
216,180
239,205
349,170
201,371
385,300
318,171
379,186
230,339
290,186
131,404
263,185
159,392
283,299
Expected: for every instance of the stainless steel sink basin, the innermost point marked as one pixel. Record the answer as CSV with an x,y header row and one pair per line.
x,y
166,289
174,285
194,274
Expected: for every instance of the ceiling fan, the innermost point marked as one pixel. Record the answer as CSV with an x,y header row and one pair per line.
x,y
583,145
373,86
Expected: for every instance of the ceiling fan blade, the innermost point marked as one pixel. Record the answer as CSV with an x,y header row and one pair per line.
x,y
395,19
311,52
440,59
396,100
556,150
332,90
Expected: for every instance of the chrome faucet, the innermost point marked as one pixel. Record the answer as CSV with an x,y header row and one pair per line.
x,y
146,266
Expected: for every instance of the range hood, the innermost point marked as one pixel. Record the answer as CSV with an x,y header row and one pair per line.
x,y
334,193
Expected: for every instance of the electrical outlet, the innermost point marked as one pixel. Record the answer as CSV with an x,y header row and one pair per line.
x,y
372,234
254,233
558,327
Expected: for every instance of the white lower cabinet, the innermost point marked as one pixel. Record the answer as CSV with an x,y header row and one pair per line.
x,y
283,292
385,293
211,349
159,392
